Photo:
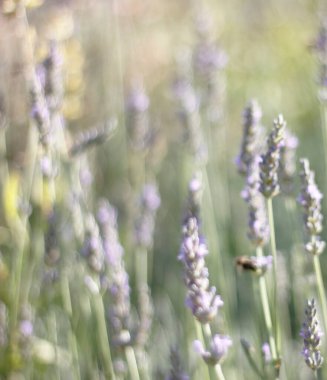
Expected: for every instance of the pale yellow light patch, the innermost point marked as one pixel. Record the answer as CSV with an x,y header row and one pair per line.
x,y
72,108
10,198
10,6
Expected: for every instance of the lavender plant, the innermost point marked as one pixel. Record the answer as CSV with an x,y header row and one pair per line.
x,y
269,187
310,199
201,299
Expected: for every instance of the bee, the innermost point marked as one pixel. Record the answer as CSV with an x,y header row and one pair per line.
x,y
258,265
246,263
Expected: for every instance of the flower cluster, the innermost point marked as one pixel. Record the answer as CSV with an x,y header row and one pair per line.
x,y
201,298
310,198
269,164
311,335
219,346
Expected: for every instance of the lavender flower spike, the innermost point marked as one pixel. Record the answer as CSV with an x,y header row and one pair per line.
x,y
218,349
258,230
118,280
252,129
269,164
92,248
201,298
310,198
145,224
311,335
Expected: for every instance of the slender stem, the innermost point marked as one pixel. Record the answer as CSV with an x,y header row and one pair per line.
x,y
199,334
98,307
275,292
321,289
67,305
219,372
266,310
52,326
132,363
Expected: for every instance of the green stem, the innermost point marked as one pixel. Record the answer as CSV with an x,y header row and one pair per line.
x,y
67,305
321,290
132,363
274,255
266,310
219,372
98,307
200,337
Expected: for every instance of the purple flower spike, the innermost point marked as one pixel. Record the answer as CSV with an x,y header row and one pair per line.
x,y
258,229
145,224
201,298
269,165
310,198
311,335
252,131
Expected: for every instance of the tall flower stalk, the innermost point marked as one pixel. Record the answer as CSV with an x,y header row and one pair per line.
x,y
259,236
310,199
118,286
201,298
248,162
269,187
